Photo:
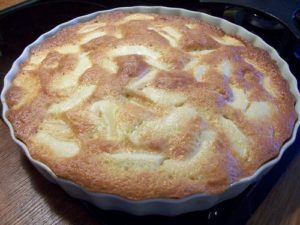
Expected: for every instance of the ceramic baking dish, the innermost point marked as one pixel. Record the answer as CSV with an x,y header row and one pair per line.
x,y
158,206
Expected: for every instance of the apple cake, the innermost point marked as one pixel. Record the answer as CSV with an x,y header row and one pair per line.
x,y
146,106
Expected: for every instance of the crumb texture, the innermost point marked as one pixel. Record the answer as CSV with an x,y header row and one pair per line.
x,y
146,105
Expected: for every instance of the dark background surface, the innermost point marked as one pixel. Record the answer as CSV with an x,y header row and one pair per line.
x,y
27,198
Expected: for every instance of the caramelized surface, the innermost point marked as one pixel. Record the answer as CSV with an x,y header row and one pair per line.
x,y
145,105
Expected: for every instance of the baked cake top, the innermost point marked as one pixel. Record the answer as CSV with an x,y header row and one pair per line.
x,y
148,105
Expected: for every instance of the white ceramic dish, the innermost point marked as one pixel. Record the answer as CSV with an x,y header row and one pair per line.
x,y
159,206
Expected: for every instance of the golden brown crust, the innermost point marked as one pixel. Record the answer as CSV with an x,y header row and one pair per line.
x,y
146,106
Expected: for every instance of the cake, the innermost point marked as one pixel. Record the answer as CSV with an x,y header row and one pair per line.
x,y
145,106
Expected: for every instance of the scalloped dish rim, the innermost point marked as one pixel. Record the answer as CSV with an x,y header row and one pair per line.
x,y
161,206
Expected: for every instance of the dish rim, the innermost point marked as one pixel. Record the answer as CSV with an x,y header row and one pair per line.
x,y
219,22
